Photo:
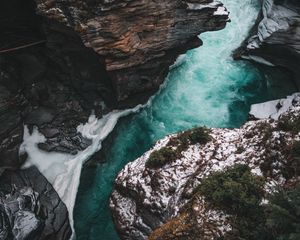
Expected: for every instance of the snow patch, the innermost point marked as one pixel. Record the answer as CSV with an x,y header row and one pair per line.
x,y
273,109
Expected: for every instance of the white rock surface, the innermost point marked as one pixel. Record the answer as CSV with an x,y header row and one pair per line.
x,y
273,109
145,198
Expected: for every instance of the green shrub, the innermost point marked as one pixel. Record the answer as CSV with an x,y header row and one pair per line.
x,y
235,190
283,214
266,129
161,157
292,165
193,136
199,135
289,123
239,193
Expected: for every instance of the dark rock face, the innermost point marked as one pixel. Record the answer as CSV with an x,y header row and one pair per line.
x,y
54,84
275,39
30,208
139,39
56,69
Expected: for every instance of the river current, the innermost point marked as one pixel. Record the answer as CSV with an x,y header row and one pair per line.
x,y
205,87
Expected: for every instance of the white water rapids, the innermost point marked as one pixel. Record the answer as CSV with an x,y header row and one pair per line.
x,y
63,170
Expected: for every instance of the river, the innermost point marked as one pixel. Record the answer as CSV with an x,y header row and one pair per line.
x,y
206,87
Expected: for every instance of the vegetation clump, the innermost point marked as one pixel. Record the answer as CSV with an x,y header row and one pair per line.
x,y
282,214
289,123
239,193
176,145
198,135
161,157
237,190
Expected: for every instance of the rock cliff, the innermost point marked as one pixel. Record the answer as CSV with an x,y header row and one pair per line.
x,y
83,56
275,38
157,191
59,60
139,39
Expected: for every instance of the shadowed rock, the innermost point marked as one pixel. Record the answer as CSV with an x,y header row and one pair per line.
x,y
275,38
30,208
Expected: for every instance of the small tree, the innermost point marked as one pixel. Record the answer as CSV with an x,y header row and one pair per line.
x,y
161,157
236,190
283,214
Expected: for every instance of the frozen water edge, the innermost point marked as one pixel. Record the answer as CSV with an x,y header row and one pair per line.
x,y
273,109
63,170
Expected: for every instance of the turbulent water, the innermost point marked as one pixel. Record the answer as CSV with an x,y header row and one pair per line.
x,y
205,88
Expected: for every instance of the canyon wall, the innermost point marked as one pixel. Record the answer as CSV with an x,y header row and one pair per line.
x,y
138,39
61,60
275,38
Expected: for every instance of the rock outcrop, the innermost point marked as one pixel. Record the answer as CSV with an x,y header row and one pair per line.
x,y
148,197
275,38
30,208
59,60
53,85
139,39
87,55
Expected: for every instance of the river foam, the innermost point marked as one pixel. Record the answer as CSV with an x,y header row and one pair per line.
x,y
63,170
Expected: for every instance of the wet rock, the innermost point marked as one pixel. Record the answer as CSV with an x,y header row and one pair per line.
x,y
274,40
39,116
54,85
30,208
71,61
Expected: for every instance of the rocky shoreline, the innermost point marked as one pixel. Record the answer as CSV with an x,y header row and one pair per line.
x,y
148,198
61,60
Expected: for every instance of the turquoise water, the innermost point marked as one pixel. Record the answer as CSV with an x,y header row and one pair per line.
x,y
208,88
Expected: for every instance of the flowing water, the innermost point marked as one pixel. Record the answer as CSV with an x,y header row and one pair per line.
x,y
207,88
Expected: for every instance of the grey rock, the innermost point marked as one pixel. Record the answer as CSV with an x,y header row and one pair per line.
x,y
30,208
275,38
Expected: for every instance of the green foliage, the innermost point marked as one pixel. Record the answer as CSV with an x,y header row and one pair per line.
x,y
199,135
196,135
235,190
193,136
289,123
283,215
161,157
176,145
239,193
291,168
266,129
